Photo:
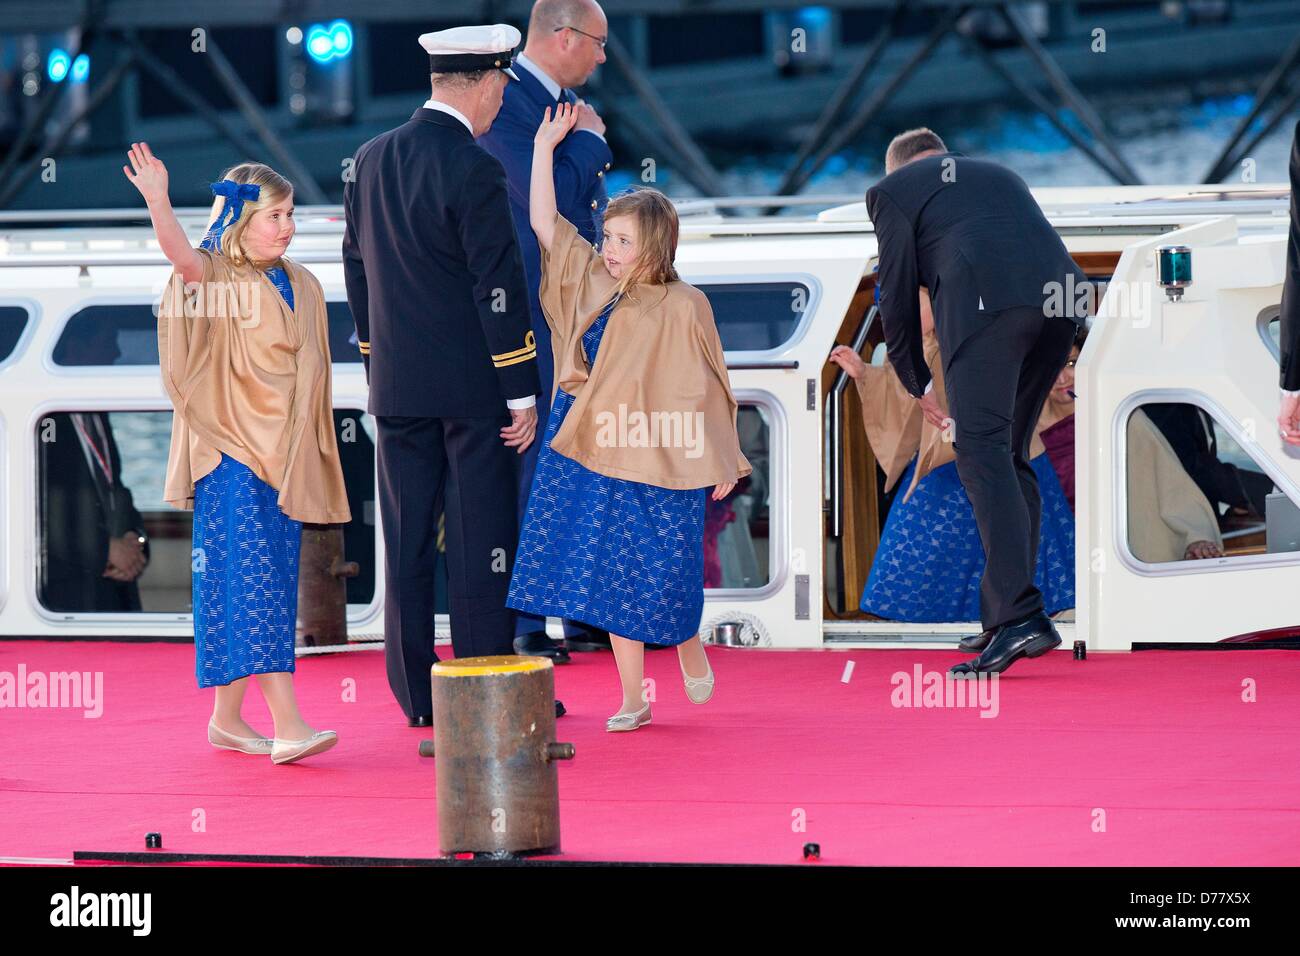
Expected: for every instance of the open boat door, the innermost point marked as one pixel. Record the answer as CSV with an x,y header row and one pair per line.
x,y
780,290
1176,432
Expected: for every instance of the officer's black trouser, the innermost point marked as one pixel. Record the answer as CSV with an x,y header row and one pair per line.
x,y
463,463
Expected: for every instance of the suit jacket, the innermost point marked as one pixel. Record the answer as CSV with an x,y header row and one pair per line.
x,y
433,274
970,231
1290,330
79,513
1189,430
581,161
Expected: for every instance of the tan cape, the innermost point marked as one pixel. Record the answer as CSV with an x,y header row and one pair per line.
x,y
897,429
1166,510
251,378
657,407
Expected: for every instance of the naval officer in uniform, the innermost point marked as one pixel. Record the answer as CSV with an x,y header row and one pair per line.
x,y
437,290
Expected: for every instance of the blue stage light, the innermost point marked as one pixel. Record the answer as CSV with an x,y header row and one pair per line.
x,y
57,64
81,68
325,43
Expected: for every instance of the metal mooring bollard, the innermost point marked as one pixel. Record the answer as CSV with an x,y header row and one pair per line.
x,y
494,740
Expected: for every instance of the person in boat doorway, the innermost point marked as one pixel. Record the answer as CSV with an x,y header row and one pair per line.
x,y
1005,297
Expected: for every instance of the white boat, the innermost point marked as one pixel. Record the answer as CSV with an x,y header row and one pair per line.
x,y
785,289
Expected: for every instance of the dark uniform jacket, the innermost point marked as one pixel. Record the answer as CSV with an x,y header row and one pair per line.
x,y
581,161
1290,319
970,231
433,274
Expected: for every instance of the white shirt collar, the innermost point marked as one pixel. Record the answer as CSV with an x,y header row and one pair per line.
x,y
542,76
450,110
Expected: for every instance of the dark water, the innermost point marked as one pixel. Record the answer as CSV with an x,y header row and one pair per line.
x,y
1166,135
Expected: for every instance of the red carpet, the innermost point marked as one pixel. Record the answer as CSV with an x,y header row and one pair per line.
x,y
1157,747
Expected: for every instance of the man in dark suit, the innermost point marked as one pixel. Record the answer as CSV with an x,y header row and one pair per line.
x,y
1190,432
566,42
1007,300
1288,418
93,546
437,290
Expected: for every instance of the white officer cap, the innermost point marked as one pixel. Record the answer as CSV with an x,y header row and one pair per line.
x,y
466,49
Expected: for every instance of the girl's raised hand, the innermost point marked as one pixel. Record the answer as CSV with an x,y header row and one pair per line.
x,y
147,173
554,129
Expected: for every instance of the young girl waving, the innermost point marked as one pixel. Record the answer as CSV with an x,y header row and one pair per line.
x,y
244,354
642,424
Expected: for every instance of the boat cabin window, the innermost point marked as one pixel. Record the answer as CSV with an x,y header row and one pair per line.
x,y
1270,321
100,478
128,335
13,322
125,334
756,316
343,334
736,529
1193,493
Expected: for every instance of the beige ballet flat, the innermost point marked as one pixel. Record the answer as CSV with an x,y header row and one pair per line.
x,y
698,689
244,745
287,751
621,722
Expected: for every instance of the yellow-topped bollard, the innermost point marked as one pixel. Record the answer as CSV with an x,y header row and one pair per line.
x,y
494,738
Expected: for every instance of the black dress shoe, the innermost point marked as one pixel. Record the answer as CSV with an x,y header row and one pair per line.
x,y
537,644
559,708
1032,636
420,720
589,639
974,643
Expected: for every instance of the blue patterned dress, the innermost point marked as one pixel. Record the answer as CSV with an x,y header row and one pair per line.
x,y
930,560
245,565
620,555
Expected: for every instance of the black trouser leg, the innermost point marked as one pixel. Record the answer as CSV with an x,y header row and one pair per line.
x,y
996,384
482,535
1047,356
412,471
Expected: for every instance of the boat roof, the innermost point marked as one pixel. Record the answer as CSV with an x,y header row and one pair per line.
x,y
125,236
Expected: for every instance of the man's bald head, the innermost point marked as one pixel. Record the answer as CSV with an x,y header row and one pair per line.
x,y
569,55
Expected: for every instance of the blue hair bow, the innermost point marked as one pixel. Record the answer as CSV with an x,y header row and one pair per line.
x,y
236,195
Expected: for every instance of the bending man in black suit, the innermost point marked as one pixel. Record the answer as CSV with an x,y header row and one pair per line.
x,y
1008,300
436,287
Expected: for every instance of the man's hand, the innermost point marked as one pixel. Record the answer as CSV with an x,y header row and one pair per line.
x,y
523,426
930,408
1288,419
849,360
1199,550
125,557
588,118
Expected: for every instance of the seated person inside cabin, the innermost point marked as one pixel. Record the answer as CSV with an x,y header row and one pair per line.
x,y
930,559
1169,517
93,545
1190,433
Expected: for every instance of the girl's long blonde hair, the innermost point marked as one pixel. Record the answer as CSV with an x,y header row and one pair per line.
x,y
274,188
657,228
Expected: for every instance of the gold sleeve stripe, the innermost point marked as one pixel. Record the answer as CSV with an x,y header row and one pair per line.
x,y
530,345
516,360
364,347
